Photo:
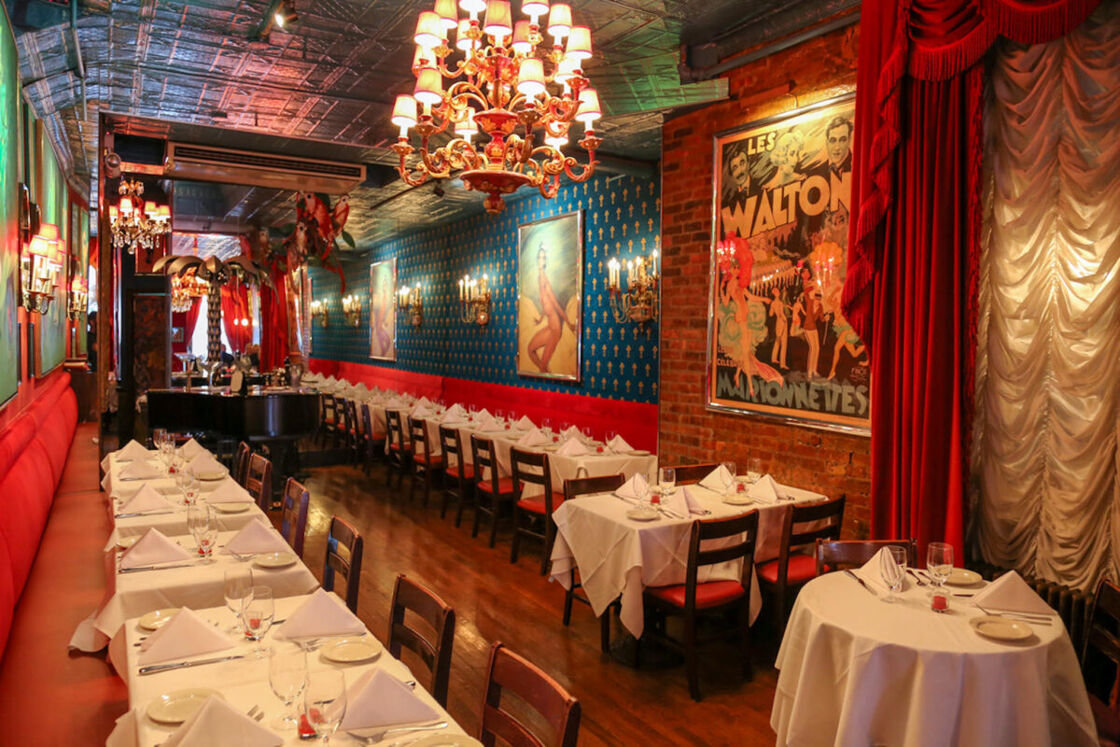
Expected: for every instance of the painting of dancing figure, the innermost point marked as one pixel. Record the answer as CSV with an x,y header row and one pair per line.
x,y
382,311
549,286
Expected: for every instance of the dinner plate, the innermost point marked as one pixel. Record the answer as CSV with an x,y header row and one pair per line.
x,y
126,542
1001,628
230,508
156,619
639,452
351,650
963,577
643,513
176,707
274,560
738,499
211,476
446,740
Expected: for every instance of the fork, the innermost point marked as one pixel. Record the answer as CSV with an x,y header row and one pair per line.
x,y
378,736
256,713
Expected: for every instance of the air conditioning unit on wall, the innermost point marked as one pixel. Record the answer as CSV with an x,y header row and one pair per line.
x,y
206,163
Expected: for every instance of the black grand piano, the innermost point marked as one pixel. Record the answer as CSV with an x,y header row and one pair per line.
x,y
277,418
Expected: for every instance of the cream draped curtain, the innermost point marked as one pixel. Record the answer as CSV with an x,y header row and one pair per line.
x,y
1045,453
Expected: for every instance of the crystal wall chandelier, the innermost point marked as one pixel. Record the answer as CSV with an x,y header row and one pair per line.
x,y
136,222
185,289
41,265
521,92
638,302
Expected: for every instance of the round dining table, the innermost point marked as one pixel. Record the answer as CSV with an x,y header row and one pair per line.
x,y
856,669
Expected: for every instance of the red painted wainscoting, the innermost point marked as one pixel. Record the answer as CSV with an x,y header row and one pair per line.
x,y
636,421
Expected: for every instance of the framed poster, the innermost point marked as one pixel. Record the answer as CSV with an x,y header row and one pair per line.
x,y
549,297
383,310
10,126
778,345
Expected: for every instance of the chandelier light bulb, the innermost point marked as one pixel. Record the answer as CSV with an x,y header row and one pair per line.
x,y
579,43
530,79
126,205
498,19
559,21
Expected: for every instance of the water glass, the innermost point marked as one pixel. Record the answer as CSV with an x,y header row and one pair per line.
x,y
238,587
287,676
190,491
732,470
324,701
256,616
892,567
668,480
199,520
939,562
754,469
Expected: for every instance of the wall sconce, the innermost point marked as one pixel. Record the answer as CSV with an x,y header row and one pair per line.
x,y
79,295
319,309
639,302
352,310
474,300
40,266
410,302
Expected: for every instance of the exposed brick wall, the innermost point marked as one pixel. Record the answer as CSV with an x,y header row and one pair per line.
x,y
828,462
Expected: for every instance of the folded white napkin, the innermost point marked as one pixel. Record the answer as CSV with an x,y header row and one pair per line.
x,y
766,489
872,570
256,537
132,451
483,413
421,411
456,411
123,489
228,491
184,635
618,445
378,699
572,447
146,498
525,423
1010,593
534,438
682,502
483,420
636,488
191,449
140,470
571,432
424,402
219,723
361,387
322,614
153,547
205,465
720,480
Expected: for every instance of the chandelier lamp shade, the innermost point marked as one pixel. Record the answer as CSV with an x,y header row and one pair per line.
x,y
521,92
136,222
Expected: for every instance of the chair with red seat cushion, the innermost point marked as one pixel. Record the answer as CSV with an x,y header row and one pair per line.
x,y
343,536
553,707
691,597
327,426
258,481
370,440
688,474
1100,661
424,462
353,434
491,492
572,490
835,555
400,450
434,650
293,514
532,469
801,526
241,463
458,474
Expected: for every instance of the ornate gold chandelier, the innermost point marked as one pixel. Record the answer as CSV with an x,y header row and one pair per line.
x,y
185,289
519,91
136,222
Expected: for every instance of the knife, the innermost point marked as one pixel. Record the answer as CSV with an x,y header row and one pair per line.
x,y
156,567
156,668
141,513
861,583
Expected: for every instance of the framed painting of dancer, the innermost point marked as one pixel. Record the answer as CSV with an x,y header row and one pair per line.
x,y
778,344
382,310
549,297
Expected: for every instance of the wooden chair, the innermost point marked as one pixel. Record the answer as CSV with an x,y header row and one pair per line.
x,y
424,462
439,617
293,514
400,451
349,566
352,434
370,441
531,687
690,474
835,555
691,598
258,481
330,419
458,477
491,491
241,463
801,525
572,490
1100,661
531,468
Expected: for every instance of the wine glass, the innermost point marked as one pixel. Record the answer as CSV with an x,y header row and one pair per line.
x,y
198,523
238,587
668,480
190,487
546,426
732,470
754,469
892,566
182,482
256,616
939,562
287,676
324,701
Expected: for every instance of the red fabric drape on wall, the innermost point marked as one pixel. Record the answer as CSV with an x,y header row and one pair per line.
x,y
274,323
192,319
913,234
235,305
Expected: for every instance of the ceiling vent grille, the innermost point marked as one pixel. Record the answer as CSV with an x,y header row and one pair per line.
x,y
204,163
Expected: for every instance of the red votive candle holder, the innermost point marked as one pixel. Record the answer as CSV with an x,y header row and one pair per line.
x,y
939,602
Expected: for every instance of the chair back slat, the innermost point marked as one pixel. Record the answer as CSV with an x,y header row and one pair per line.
x,y
835,555
241,463
591,485
342,534
258,481
293,514
395,428
367,421
801,518
1100,659
451,445
530,468
418,436
436,614
482,452
690,474
534,688
743,528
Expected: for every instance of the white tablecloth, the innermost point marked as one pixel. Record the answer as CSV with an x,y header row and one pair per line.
x,y
175,522
856,670
198,586
118,488
617,556
243,682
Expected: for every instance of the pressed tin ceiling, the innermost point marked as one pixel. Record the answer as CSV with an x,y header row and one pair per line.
x,y
333,80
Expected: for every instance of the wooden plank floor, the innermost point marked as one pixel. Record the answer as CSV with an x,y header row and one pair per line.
x,y
495,600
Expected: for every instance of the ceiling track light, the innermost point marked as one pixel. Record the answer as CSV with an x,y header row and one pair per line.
x,y
284,16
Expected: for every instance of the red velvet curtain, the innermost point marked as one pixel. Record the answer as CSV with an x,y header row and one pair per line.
x,y
913,240
192,319
274,323
235,306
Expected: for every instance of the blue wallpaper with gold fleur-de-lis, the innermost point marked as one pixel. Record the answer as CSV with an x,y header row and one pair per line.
x,y
621,218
